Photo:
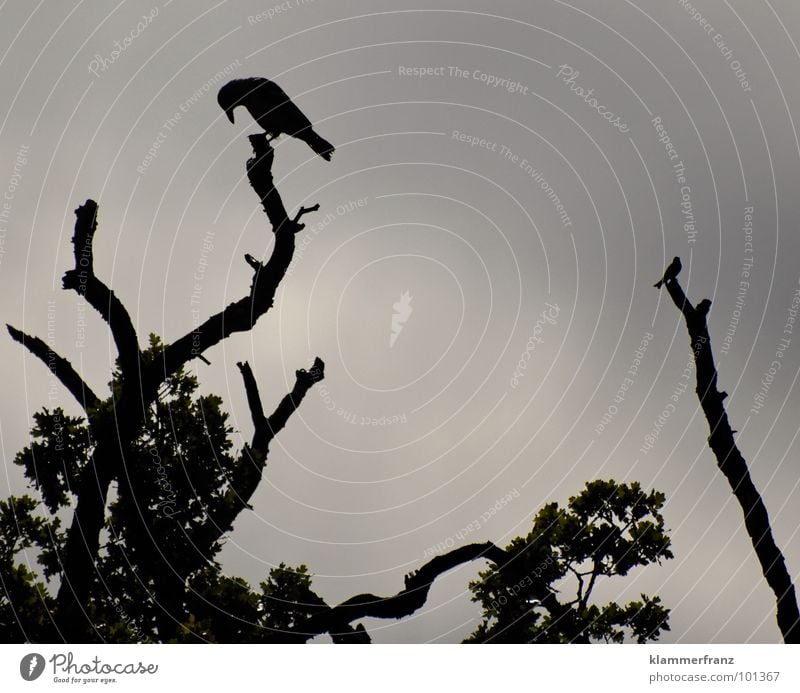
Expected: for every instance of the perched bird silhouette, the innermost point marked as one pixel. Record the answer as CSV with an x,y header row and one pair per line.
x,y
670,273
273,110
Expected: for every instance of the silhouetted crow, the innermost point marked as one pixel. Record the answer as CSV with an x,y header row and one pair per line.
x,y
273,110
670,273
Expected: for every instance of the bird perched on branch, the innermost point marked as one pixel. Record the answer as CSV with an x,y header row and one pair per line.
x,y
670,273
273,110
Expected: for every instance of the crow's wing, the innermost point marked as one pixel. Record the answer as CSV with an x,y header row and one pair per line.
x,y
274,110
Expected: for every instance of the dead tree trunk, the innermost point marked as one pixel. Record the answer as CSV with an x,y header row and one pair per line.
x,y
114,424
733,465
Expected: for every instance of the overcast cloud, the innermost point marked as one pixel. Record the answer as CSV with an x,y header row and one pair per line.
x,y
503,217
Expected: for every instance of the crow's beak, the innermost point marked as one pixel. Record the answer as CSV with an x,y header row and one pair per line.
x,y
229,113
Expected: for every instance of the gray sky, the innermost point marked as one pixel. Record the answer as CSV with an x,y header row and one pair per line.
x,y
447,186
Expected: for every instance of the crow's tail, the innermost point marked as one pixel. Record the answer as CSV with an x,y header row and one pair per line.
x,y
322,147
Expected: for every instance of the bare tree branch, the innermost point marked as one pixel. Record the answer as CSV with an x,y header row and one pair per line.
x,y
733,465
336,619
139,389
253,458
115,433
352,636
82,279
82,540
59,366
243,314
253,396
304,380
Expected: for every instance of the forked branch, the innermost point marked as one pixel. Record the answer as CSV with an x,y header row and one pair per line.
x,y
243,314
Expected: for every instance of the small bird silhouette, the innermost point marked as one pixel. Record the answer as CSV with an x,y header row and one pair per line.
x,y
273,110
670,273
